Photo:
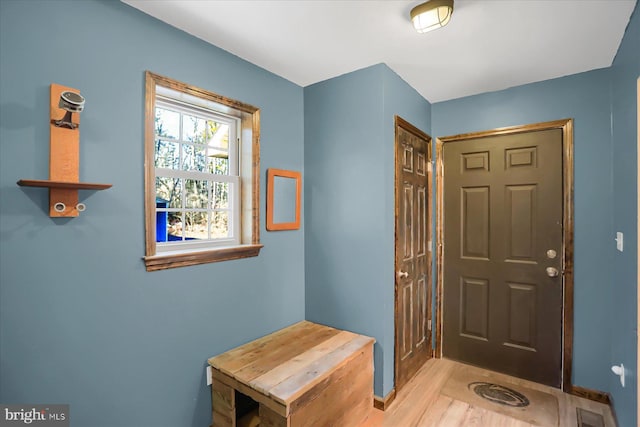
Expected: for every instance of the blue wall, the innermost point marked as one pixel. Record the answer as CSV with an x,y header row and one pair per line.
x,y
624,75
349,174
585,98
81,321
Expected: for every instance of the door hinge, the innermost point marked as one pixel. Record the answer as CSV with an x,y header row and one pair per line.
x,y
429,325
429,167
429,245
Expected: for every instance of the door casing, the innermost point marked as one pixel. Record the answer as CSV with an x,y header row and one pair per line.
x,y
638,237
566,125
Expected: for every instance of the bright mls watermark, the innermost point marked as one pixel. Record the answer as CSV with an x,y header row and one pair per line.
x,y
36,415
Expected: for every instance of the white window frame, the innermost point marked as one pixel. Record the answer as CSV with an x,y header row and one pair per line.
x,y
244,146
233,178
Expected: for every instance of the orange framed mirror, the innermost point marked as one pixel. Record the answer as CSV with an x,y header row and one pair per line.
x,y
284,193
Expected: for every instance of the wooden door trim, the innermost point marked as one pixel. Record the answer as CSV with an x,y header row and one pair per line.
x,y
638,237
566,125
399,122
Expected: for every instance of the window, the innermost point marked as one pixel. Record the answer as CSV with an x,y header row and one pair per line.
x,y
197,177
202,176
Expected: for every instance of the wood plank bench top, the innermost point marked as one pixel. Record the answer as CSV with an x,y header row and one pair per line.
x,y
285,365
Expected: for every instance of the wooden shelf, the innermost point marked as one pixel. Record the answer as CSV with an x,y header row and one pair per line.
x,y
64,162
46,183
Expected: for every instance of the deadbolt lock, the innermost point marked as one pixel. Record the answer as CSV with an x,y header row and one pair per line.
x,y
552,272
551,254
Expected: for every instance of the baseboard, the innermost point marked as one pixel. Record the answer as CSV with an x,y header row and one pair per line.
x,y
383,403
587,393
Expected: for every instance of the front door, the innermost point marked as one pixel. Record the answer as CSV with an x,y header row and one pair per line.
x,y
503,253
413,252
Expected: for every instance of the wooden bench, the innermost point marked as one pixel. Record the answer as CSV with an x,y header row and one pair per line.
x,y
304,375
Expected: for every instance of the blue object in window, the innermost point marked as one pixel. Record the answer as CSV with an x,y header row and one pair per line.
x,y
161,220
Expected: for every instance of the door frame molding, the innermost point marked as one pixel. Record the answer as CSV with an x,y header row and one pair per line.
x,y
638,237
566,125
399,122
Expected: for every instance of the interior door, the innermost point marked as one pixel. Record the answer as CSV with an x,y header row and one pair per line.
x,y
412,251
503,287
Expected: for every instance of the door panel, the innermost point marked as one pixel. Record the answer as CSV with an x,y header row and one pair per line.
x,y
474,308
475,222
521,227
502,212
413,258
522,316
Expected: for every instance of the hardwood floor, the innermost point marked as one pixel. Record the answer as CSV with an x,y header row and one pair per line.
x,y
421,403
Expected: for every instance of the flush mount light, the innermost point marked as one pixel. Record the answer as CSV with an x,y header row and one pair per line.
x,y
431,15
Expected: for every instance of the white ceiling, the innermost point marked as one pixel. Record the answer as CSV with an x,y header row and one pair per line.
x,y
488,45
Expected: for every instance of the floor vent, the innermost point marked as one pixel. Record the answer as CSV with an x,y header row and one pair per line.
x,y
589,419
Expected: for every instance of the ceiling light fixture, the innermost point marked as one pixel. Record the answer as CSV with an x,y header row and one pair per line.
x,y
431,15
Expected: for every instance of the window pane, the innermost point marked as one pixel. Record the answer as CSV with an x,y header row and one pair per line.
x,y
218,136
168,192
195,129
194,157
167,123
217,165
196,194
219,195
218,148
167,154
196,225
174,226
220,224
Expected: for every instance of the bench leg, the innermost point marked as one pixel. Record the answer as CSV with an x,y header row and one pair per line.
x,y
223,402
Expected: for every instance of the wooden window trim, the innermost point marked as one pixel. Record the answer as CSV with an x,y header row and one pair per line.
x,y
250,210
173,260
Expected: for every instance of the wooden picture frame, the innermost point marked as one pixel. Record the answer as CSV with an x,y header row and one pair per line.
x,y
278,203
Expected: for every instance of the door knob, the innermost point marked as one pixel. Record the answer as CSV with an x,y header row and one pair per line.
x,y
403,274
552,272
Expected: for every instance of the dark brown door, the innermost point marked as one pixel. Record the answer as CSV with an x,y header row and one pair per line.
x,y
503,254
413,256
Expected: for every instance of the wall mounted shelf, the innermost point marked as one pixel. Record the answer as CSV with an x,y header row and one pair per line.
x,y
45,183
64,159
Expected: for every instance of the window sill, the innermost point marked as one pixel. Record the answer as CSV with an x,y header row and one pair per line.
x,y
182,259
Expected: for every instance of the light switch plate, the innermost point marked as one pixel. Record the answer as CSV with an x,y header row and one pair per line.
x,y
620,241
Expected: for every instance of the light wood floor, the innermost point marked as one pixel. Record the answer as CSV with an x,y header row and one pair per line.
x,y
420,403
